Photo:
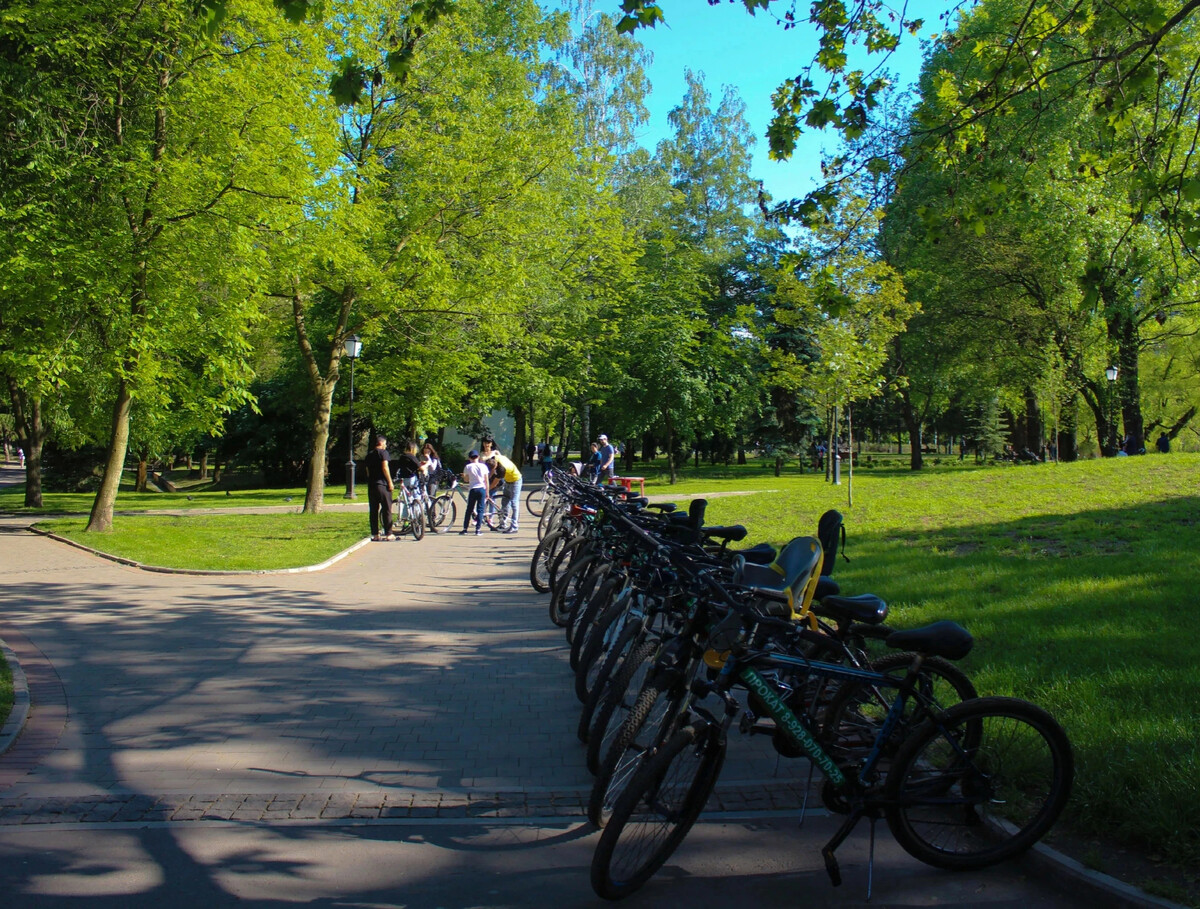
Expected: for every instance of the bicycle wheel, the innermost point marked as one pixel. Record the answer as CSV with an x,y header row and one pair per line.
x,y
561,593
979,786
856,712
600,592
416,520
543,557
616,700
605,630
535,500
650,722
657,810
492,515
571,550
629,640
444,511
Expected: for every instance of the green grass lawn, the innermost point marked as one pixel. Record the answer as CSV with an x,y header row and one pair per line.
x,y
227,542
1079,583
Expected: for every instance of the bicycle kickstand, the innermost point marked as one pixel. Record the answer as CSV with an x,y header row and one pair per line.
x,y
831,864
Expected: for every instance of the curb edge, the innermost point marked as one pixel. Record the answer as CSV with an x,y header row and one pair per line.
x,y
20,710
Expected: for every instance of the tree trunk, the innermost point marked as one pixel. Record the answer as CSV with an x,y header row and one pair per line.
x,y
118,444
1129,395
204,465
314,494
31,436
518,449
670,446
322,388
912,423
649,449
143,471
585,426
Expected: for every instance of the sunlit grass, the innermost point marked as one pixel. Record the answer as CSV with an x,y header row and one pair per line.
x,y
243,542
1079,582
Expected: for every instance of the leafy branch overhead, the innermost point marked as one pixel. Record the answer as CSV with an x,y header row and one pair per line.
x,y
1012,60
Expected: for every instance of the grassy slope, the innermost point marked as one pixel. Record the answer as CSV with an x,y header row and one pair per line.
x,y
1078,582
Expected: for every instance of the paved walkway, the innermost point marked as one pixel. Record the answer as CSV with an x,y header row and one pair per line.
x,y
398,729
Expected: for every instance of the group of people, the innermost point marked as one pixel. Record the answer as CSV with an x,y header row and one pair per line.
x,y
600,465
412,469
489,473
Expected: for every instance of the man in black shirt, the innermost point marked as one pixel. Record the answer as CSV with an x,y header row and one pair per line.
x,y
380,489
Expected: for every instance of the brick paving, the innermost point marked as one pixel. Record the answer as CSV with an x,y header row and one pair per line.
x,y
410,680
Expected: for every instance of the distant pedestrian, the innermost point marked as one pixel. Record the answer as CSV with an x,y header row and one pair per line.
x,y
476,475
21,457
591,467
608,455
379,490
547,458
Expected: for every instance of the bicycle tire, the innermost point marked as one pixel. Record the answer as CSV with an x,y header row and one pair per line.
x,y
650,722
543,556
628,642
445,510
535,501
616,702
577,603
604,634
416,521
657,810
966,807
572,549
493,515
856,711
599,592
561,593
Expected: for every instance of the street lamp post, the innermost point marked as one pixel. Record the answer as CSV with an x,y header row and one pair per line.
x,y
353,347
1111,373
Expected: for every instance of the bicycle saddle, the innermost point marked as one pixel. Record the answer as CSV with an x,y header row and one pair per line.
x,y
866,608
944,639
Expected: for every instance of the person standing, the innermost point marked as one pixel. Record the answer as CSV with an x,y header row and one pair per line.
x,y
510,504
608,455
476,475
379,489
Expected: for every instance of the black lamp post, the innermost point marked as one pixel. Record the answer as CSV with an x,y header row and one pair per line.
x,y
1111,374
353,347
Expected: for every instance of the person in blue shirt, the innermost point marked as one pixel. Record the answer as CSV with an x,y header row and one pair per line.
x,y
608,456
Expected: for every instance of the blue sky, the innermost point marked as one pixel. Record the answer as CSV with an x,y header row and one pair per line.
x,y
754,55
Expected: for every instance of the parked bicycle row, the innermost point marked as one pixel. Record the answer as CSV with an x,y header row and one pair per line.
x,y
676,638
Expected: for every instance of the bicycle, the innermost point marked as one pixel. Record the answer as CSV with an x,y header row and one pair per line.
x,y
411,508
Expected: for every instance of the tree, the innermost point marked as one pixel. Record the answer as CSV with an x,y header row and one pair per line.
x,y
159,200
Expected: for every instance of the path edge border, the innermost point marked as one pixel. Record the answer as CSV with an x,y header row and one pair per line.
x,y
20,709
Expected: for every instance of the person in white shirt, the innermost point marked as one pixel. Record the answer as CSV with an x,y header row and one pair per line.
x,y
476,474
